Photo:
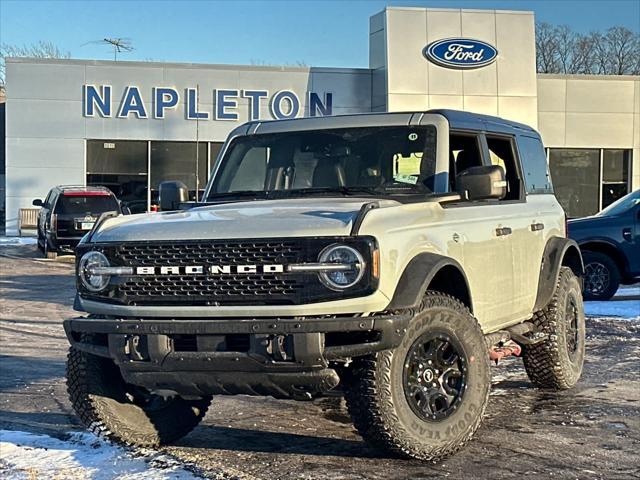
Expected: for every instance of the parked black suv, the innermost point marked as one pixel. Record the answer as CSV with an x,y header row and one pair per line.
x,y
610,244
68,213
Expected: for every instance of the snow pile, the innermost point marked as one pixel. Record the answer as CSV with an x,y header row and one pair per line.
x,y
626,303
83,456
10,241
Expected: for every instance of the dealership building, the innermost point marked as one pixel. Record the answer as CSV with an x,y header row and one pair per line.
x,y
132,125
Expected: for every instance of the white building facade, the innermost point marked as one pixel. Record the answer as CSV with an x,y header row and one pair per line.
x,y
131,125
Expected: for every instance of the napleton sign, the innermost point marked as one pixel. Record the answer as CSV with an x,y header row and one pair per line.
x,y
284,104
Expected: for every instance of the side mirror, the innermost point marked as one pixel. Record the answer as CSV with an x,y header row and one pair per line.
x,y
37,203
125,209
482,183
172,194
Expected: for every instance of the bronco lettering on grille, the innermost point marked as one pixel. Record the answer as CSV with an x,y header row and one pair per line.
x,y
212,270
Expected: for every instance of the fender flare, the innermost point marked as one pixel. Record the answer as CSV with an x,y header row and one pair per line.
x,y
417,276
558,252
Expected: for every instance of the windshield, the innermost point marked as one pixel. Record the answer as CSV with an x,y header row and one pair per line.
x,y
91,204
363,161
621,205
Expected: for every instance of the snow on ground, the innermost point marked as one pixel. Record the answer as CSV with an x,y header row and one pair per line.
x,y
617,306
18,241
82,456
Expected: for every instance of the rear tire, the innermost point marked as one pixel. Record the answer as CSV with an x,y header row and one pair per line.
x,y
47,251
113,409
556,363
601,276
390,396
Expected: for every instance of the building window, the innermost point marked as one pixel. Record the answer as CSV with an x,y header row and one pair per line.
x,y
587,180
615,175
179,161
575,174
122,167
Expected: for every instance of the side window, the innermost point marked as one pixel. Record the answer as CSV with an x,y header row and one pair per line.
x,y
502,153
48,200
464,152
534,164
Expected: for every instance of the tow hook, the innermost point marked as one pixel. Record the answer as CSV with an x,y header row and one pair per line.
x,y
506,349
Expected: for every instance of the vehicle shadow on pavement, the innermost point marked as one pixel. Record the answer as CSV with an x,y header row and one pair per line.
x,y
54,424
19,371
260,441
38,288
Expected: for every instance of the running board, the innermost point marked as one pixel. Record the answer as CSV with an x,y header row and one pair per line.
x,y
523,334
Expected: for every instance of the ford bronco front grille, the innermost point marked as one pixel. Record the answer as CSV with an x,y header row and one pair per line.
x,y
233,287
211,253
150,286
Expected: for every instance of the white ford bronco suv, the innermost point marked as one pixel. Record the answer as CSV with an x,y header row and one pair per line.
x,y
388,256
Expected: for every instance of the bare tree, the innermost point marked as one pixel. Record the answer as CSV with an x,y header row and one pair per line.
x,y
561,50
624,48
546,48
566,40
42,49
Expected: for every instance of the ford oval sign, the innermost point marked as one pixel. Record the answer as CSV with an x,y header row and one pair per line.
x,y
463,53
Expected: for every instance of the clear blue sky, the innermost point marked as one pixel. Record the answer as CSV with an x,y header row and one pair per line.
x,y
318,33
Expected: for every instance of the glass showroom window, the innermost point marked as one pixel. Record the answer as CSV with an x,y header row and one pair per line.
x,y
615,175
587,180
122,167
215,150
179,161
576,180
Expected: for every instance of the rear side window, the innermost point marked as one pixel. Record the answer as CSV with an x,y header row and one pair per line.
x,y
534,164
501,154
89,204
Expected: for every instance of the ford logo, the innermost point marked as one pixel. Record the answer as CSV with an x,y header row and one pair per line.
x,y
463,53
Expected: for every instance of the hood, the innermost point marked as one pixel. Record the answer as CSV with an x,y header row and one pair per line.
x,y
588,222
293,217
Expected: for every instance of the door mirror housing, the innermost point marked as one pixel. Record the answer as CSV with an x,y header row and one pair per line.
x,y
37,203
172,194
484,182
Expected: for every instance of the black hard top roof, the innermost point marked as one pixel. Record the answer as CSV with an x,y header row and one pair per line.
x,y
456,119
477,121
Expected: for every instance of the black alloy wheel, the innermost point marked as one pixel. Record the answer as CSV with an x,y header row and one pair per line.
x,y
434,376
601,276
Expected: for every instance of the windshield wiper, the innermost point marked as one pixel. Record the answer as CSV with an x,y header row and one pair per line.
x,y
340,190
251,194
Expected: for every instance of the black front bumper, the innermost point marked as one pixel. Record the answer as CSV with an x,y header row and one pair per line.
x,y
263,356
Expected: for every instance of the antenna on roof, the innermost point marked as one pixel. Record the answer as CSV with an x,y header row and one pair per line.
x,y
119,45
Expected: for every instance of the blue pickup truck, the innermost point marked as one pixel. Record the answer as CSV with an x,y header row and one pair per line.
x,y
610,244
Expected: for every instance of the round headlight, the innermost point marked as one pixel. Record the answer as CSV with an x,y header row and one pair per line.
x,y
351,262
90,279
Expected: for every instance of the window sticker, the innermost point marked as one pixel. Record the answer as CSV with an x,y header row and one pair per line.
x,y
410,179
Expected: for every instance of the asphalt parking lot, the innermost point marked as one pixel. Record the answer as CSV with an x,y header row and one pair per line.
x,y
592,431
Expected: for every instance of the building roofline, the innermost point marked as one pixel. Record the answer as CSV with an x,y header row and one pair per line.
x,y
185,65
470,10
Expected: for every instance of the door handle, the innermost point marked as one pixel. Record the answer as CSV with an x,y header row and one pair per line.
x,y
626,234
536,227
501,232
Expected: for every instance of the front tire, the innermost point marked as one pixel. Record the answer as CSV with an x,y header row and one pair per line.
x,y
426,398
127,414
601,276
556,363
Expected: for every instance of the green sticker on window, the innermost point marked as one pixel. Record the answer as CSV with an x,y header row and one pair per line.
x,y
411,179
